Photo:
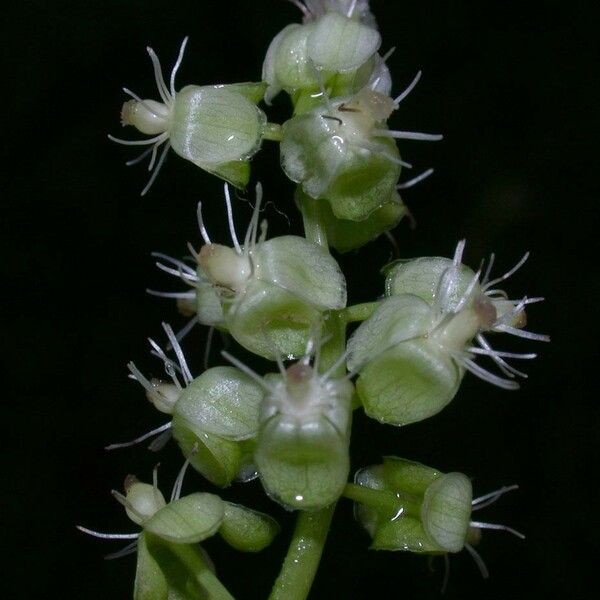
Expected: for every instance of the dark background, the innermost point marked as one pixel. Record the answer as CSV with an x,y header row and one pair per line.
x,y
512,85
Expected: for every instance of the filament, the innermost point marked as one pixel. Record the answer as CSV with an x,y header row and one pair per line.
x,y
412,182
178,64
409,89
234,238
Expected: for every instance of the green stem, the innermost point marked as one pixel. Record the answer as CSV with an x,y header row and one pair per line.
x,y
359,312
378,499
314,229
334,331
273,132
302,560
180,561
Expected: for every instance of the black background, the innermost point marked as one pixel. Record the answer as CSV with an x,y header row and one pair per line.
x,y
512,85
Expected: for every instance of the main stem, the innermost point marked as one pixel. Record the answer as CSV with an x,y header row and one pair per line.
x,y
306,547
304,554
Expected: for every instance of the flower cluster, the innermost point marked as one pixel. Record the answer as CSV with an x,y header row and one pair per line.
x,y
284,299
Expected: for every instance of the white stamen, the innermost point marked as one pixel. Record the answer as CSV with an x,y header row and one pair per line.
x,y
155,140
185,329
159,442
152,158
109,536
201,226
140,439
508,273
234,238
178,295
176,492
482,373
185,370
478,561
488,271
479,525
409,89
351,9
178,263
129,549
158,167
529,335
158,76
408,135
246,369
191,280
178,64
467,295
209,339
141,157
412,182
497,357
491,497
388,54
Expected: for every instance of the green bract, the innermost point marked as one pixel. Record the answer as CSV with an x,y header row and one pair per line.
x,y
433,510
302,446
218,127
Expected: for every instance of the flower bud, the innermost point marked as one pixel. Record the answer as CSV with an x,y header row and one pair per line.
x,y
302,445
303,57
143,500
433,510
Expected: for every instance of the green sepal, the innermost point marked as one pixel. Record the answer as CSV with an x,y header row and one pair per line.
x,y
150,581
305,466
223,401
291,67
304,269
420,276
216,458
407,383
253,90
411,477
339,44
236,172
446,511
216,127
208,303
356,181
365,183
395,320
271,321
187,570
188,520
345,235
247,530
